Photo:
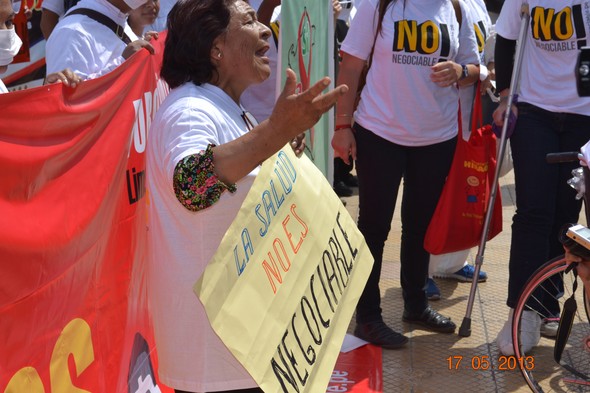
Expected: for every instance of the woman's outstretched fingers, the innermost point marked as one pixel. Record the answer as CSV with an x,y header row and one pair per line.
x,y
327,100
290,83
298,112
317,88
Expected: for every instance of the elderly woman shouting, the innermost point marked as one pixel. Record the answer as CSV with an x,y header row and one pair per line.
x,y
201,144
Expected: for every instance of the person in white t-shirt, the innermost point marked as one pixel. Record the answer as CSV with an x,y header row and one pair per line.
x,y
454,265
405,126
10,44
551,118
89,47
201,144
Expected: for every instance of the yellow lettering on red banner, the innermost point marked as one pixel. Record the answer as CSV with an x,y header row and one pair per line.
x,y
75,340
25,380
72,233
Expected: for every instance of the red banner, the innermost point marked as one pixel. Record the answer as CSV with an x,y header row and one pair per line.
x,y
358,371
73,309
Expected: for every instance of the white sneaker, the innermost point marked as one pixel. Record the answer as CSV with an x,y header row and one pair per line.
x,y
549,327
530,333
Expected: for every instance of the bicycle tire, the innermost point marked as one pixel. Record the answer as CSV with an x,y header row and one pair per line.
x,y
538,367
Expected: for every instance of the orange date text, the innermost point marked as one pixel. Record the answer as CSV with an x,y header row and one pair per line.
x,y
483,362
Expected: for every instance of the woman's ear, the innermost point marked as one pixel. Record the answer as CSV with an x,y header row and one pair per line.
x,y
216,51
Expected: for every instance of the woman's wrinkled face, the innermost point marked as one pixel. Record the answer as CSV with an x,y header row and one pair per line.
x,y
246,44
6,20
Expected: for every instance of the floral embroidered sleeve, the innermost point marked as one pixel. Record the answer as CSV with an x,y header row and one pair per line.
x,y
195,184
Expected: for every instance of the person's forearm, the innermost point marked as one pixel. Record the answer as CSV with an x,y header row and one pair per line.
x,y
504,62
200,179
472,76
349,73
235,159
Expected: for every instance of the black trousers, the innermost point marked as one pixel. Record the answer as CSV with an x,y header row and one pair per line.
x,y
341,170
544,200
381,165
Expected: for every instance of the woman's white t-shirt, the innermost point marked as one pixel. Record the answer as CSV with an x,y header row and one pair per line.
x,y
557,30
181,242
399,102
482,26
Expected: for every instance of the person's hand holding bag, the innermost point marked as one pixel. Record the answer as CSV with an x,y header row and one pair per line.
x,y
500,113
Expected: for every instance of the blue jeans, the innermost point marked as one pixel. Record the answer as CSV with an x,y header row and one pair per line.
x,y
544,201
380,167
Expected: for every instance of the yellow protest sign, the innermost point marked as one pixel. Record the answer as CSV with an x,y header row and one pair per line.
x,y
281,289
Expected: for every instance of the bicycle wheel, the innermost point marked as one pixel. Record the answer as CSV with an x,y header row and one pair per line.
x,y
542,297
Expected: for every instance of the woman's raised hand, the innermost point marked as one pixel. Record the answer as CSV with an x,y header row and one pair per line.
x,y
295,113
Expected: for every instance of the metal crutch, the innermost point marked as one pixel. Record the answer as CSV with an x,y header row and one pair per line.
x,y
465,329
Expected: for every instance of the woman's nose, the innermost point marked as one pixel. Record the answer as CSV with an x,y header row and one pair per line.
x,y
264,31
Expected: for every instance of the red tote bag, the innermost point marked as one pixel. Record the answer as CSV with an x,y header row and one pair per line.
x,y
458,220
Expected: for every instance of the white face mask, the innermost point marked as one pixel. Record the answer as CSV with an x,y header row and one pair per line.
x,y
134,4
10,44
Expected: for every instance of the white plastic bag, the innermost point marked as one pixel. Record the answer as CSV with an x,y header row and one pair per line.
x,y
506,164
447,263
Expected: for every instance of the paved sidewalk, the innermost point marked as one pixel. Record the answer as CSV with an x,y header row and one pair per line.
x,y
428,362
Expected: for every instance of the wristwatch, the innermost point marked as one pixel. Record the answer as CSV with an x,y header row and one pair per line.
x,y
464,71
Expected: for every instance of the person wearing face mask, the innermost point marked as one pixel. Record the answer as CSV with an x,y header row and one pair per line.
x,y
10,44
94,38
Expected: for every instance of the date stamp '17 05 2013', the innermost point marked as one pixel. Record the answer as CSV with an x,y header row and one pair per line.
x,y
483,363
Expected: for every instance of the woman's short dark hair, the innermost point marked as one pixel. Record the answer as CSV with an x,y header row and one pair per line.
x,y
193,25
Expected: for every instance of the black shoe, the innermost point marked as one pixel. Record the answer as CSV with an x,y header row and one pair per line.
x,y
351,181
378,333
431,320
342,189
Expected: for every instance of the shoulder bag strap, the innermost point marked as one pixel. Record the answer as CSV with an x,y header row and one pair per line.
x,y
105,20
